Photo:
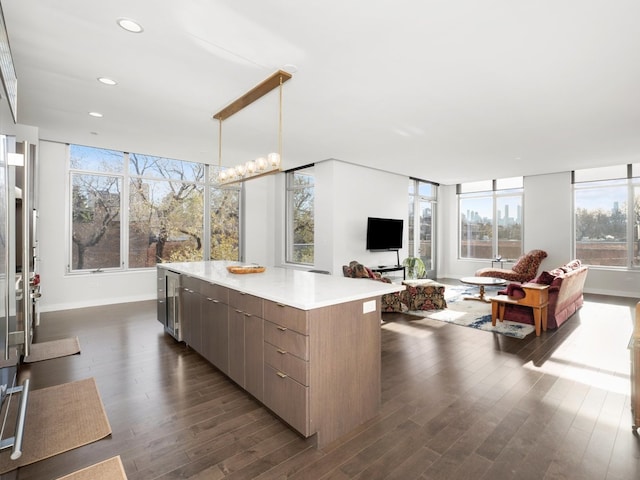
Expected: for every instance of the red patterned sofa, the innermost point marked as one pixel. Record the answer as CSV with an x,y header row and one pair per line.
x,y
566,286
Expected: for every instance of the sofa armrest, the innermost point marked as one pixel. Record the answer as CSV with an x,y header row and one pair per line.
x,y
515,291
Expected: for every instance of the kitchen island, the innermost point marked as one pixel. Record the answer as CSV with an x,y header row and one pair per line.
x,y
306,345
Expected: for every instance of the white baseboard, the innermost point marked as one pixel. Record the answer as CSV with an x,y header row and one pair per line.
x,y
94,303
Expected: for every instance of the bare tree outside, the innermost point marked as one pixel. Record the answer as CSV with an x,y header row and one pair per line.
x,y
301,217
225,223
164,211
167,213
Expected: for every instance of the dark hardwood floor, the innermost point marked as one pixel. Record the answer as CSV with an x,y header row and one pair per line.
x,y
457,403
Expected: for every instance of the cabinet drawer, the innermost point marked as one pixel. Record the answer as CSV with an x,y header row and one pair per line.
x,y
287,398
245,302
216,292
287,316
286,363
287,340
191,283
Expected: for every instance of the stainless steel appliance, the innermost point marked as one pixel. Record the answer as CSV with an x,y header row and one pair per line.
x,y
169,302
17,254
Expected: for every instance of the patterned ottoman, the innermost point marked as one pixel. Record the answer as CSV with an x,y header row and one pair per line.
x,y
424,294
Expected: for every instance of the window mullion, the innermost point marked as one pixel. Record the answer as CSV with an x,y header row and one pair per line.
x,y
124,215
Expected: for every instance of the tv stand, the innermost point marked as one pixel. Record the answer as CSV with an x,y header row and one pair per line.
x,y
390,268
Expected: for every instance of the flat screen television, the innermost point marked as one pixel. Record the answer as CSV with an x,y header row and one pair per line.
x,y
384,233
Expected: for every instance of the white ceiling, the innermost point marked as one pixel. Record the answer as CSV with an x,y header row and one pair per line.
x,y
446,91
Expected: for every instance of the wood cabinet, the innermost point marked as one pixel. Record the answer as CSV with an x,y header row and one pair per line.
x,y
322,366
317,369
215,326
246,348
205,320
286,369
191,306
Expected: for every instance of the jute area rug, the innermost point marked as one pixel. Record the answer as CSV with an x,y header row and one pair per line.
x,y
53,349
110,469
473,313
59,419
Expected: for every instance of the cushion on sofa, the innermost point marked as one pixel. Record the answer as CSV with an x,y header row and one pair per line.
x,y
545,278
356,270
572,265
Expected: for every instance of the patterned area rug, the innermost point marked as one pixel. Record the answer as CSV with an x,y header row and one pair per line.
x,y
472,313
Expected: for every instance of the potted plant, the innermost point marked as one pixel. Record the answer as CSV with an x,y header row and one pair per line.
x,y
415,267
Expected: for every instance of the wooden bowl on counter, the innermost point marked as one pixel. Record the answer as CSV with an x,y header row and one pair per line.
x,y
246,269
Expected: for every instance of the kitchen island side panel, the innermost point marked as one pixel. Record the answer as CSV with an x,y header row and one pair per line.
x,y
345,367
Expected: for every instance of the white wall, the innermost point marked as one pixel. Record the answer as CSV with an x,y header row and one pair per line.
x,y
262,207
352,194
7,127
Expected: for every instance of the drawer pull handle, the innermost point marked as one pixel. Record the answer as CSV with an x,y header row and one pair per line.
x,y
215,301
247,314
281,352
238,311
281,375
281,305
282,329
209,299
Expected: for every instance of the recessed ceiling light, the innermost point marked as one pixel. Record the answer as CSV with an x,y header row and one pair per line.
x,y
95,114
130,25
107,81
290,68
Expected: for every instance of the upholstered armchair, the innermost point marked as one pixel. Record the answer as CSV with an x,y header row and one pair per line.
x,y
524,270
391,302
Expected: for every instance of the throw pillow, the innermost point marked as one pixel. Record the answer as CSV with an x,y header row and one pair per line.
x,y
572,265
358,270
545,278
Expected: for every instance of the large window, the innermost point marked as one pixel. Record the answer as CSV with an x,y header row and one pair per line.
x,y
607,216
224,221
300,216
130,210
422,208
96,208
166,207
490,216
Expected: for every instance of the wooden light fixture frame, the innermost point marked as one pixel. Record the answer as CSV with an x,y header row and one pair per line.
x,y
276,80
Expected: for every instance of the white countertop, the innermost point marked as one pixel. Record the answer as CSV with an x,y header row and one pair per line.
x,y
295,288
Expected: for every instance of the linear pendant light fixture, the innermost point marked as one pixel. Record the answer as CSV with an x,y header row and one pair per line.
x,y
263,165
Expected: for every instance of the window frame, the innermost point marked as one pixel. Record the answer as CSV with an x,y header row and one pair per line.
x,y
416,199
71,172
203,181
291,188
620,176
494,190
